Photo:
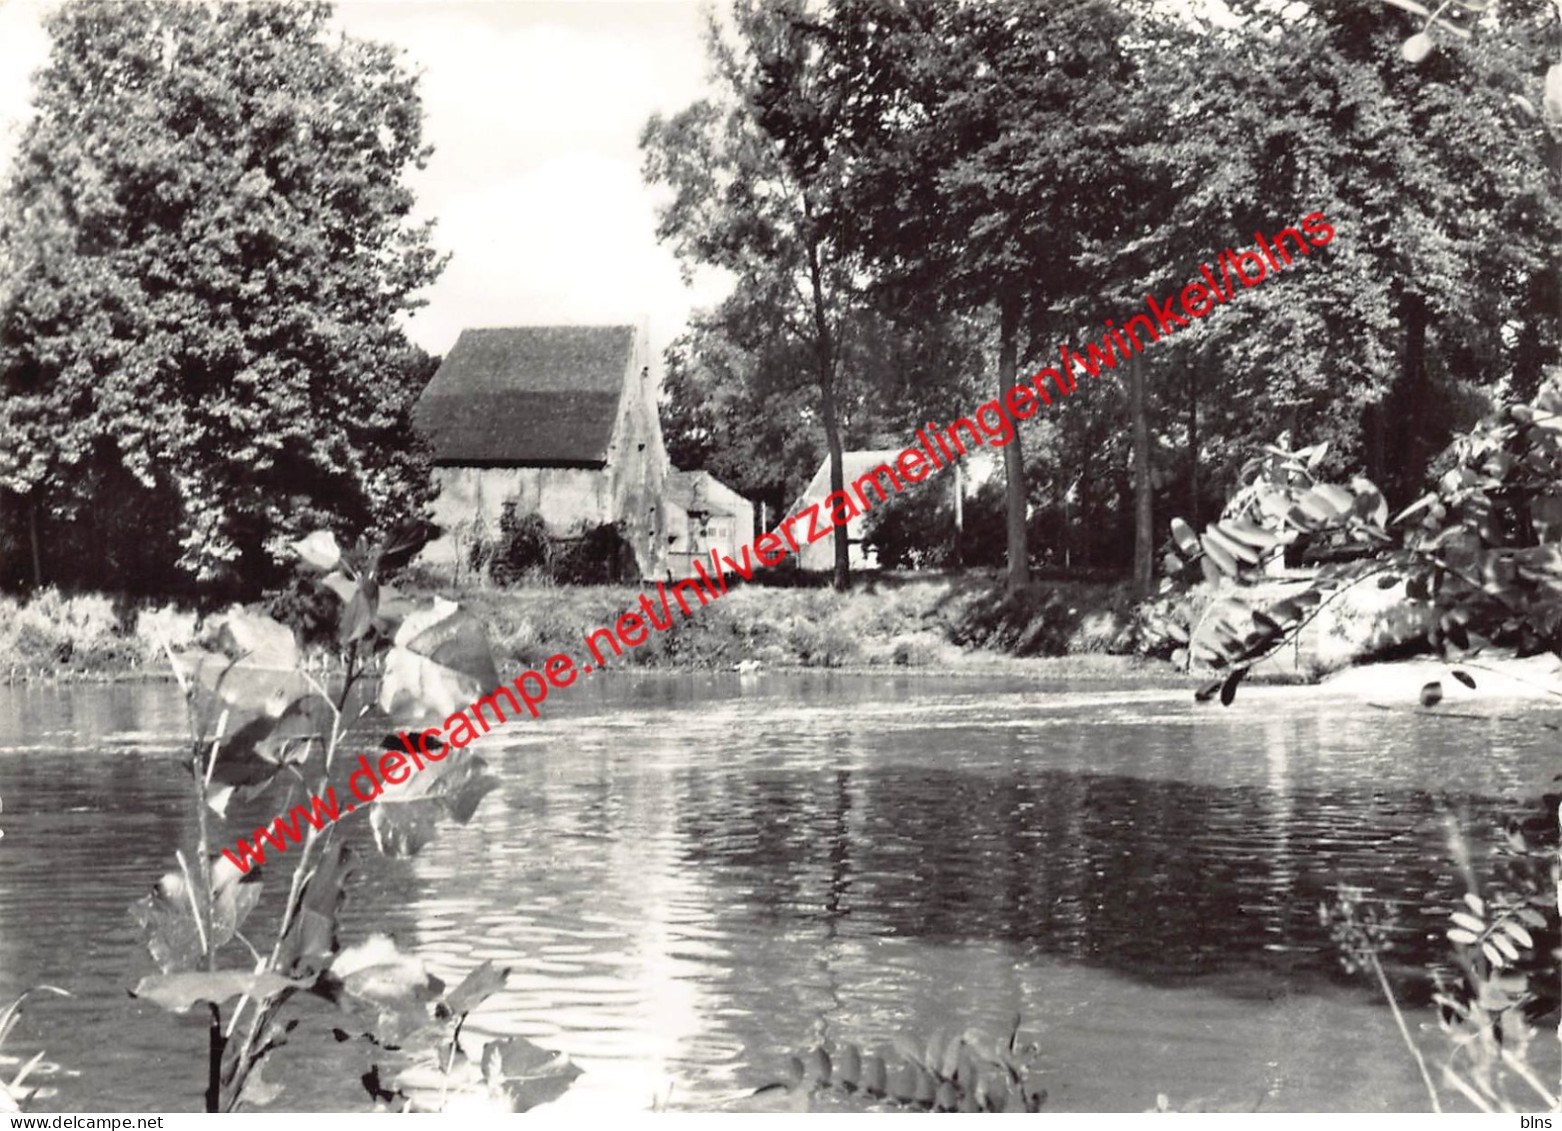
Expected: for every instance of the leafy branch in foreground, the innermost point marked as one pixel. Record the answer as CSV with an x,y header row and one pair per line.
x,y
963,1072
1478,553
265,730
1485,996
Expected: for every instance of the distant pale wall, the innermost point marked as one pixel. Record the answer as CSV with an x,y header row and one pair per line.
x,y
821,555
565,497
686,542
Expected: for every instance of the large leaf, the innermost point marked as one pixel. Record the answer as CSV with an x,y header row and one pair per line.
x,y
1255,536
258,1092
167,916
526,1074
340,584
514,1075
456,1086
319,550
250,757
1233,546
1187,541
1215,552
403,830
178,992
404,817
476,988
1552,100
402,545
439,663
257,666
311,939
1228,689
397,985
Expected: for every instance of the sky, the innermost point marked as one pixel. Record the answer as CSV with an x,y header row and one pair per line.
x,y
534,109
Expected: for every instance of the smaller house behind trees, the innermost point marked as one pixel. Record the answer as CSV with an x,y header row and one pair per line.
x,y
703,515
820,555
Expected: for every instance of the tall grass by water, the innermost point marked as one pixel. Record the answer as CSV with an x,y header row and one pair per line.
x,y
52,635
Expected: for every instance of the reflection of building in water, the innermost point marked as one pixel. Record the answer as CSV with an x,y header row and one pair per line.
x,y
703,514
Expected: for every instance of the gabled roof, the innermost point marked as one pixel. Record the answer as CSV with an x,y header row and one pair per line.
x,y
691,489
527,395
854,464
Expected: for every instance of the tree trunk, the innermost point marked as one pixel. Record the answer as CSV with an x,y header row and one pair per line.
x,y
1144,499
1013,457
958,493
1409,443
32,531
1084,549
1193,440
1372,442
824,375
841,539
1395,450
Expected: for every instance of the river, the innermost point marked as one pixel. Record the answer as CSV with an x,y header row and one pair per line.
x,y
695,876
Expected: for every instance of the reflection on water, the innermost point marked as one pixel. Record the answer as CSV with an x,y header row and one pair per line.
x,y
694,876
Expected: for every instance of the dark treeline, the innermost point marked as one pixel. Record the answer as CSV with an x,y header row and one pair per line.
x,y
919,199
200,347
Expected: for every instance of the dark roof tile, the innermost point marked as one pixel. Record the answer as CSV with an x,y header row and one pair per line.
x,y
527,395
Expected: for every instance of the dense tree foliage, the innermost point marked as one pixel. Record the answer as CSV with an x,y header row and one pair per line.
x,y
985,139
754,176
741,404
207,246
1037,168
1427,300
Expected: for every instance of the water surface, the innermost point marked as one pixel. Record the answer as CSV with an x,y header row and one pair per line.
x,y
694,876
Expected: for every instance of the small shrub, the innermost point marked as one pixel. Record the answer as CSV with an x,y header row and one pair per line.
x,y
168,625
422,577
53,630
913,653
480,546
596,558
1032,622
308,608
823,644
523,547
1102,631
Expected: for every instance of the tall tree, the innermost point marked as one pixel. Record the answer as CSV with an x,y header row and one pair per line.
x,y
208,249
755,181
984,141
1428,292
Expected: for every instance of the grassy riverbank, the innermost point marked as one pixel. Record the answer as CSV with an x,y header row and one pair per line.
x,y
930,622
901,622
87,636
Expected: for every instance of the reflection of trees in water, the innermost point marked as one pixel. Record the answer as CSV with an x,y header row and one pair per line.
x,y
1157,879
